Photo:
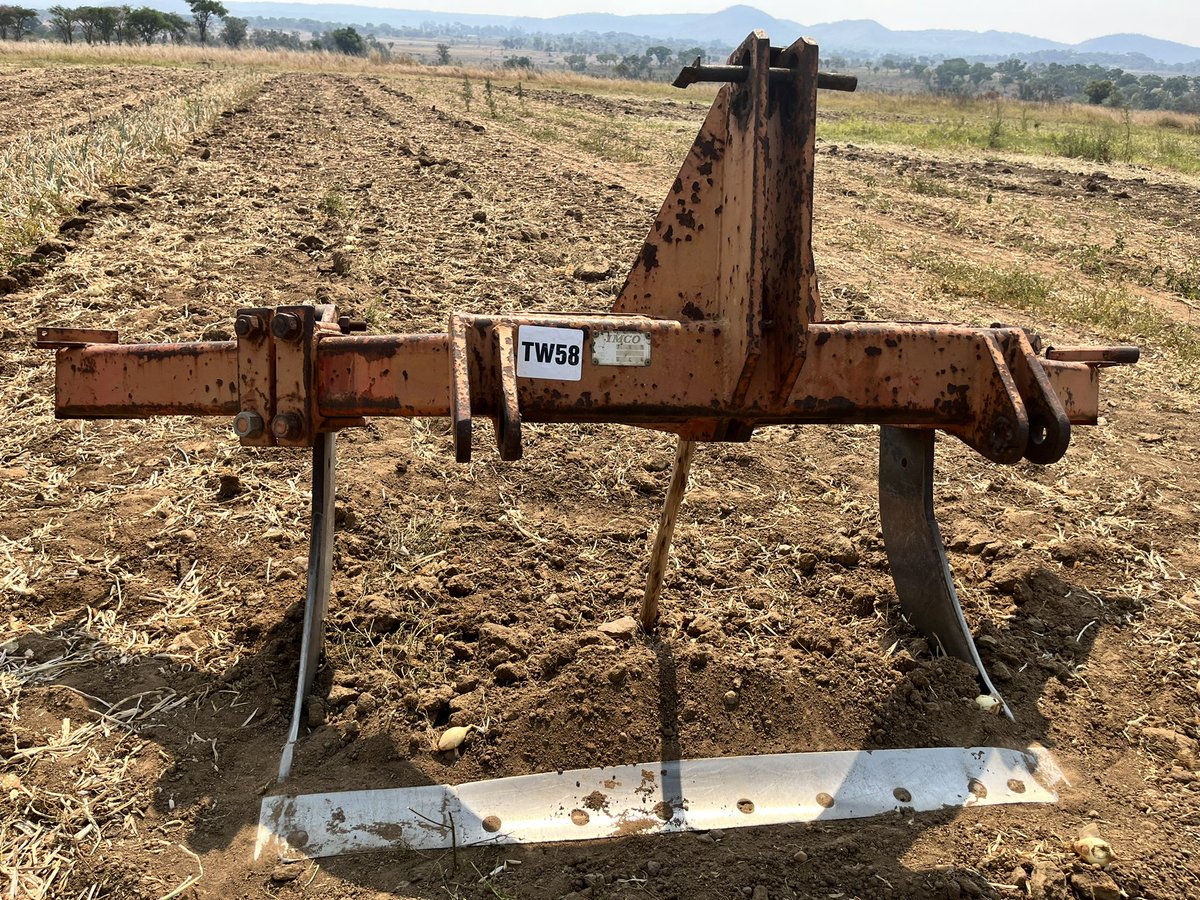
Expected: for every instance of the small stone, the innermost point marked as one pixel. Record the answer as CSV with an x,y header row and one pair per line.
x,y
75,223
316,711
653,867
731,699
340,695
596,270
310,243
800,857
479,216
760,893
230,487
285,872
188,536
1150,438
509,673
514,640
1090,884
617,674
843,552
623,629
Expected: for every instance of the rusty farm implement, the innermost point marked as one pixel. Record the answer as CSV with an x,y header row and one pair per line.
x,y
717,332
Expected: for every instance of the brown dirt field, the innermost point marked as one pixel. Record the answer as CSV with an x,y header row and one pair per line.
x,y
152,572
33,100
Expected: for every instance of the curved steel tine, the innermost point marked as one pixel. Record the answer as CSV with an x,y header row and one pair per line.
x,y
316,603
914,547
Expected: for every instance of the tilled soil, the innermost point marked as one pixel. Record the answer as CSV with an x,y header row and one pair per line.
x,y
70,98
154,570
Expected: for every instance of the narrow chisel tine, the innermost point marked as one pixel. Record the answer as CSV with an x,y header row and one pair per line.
x,y
316,603
666,529
914,547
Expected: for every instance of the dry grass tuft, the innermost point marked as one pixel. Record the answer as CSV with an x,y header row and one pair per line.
x,y
43,175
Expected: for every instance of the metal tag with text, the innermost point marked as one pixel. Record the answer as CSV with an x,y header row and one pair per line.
x,y
621,348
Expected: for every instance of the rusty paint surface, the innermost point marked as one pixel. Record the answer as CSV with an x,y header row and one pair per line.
x,y
124,381
725,289
57,338
256,373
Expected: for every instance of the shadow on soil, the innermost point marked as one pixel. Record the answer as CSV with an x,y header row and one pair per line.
x,y
859,857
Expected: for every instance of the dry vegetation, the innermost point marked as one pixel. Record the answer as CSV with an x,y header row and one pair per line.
x,y
151,571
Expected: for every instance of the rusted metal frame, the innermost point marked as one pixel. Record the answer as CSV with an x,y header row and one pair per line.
x,y
845,380
49,338
790,297
697,73
460,387
256,377
743,228
891,373
370,376
1097,356
130,381
508,407
1049,425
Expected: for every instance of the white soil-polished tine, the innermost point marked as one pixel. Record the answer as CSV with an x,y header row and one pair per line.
x,y
655,797
913,542
316,603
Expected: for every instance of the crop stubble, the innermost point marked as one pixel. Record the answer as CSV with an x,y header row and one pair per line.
x,y
152,571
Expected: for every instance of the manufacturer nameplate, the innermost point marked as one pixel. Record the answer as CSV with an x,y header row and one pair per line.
x,y
621,348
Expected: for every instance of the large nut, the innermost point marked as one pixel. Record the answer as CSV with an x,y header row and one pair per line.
x,y
248,326
287,426
248,424
287,326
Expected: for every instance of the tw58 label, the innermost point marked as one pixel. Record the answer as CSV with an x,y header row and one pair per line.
x,y
555,353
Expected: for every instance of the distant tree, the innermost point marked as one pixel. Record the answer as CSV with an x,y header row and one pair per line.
x,y
146,23
234,32
979,74
105,19
949,76
689,56
63,20
1098,91
202,14
660,53
443,54
177,27
86,16
606,58
633,65
518,62
348,41
576,62
16,21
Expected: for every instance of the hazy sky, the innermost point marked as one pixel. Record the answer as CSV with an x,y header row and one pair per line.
x,y
1063,20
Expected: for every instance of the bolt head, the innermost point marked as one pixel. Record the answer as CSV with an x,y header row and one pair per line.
x,y
287,326
286,426
248,326
248,424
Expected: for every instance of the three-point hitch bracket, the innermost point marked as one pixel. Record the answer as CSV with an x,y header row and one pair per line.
x,y
717,332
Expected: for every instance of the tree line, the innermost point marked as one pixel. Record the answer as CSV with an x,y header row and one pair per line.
x,y
1094,84
123,24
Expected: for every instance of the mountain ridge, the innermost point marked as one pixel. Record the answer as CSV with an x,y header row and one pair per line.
x,y
727,26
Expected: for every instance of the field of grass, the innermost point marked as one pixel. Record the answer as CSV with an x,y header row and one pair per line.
x,y
1168,141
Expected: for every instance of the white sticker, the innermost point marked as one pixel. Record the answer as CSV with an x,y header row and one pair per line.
x,y
555,353
621,348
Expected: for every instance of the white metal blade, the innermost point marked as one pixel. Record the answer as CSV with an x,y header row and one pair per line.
x,y
654,797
